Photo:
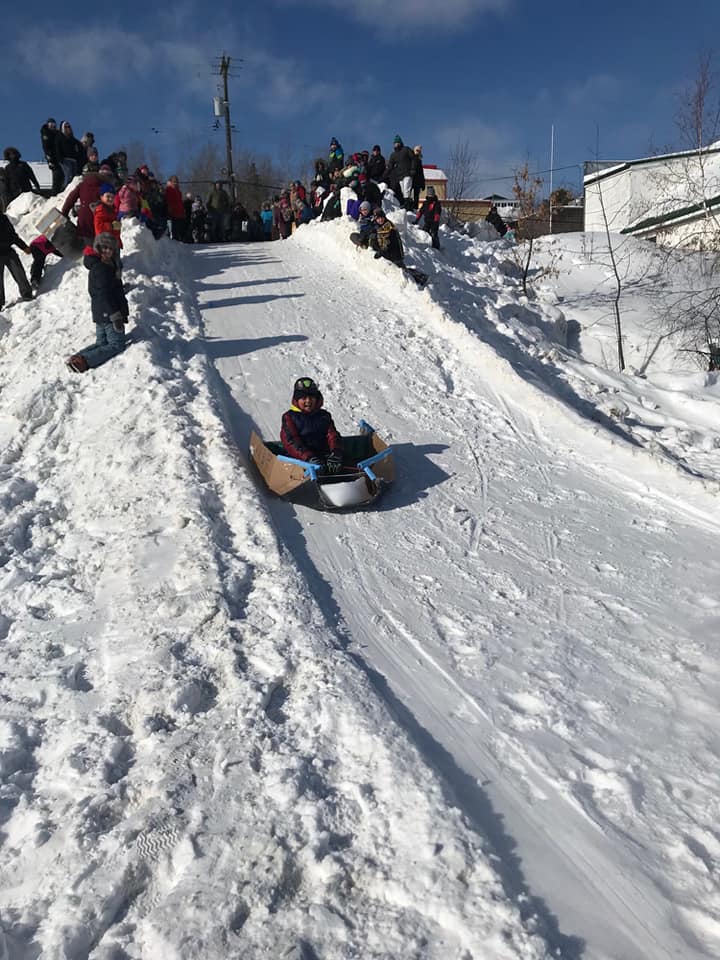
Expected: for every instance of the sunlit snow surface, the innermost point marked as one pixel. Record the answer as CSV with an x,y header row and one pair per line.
x,y
478,721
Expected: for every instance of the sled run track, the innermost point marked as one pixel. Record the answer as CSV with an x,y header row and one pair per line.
x,y
509,597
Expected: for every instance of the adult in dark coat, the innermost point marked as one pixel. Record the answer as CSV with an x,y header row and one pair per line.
x,y
20,176
400,171
4,195
87,195
369,190
376,165
332,209
49,134
71,152
322,177
10,259
218,209
418,184
108,304
187,207
496,220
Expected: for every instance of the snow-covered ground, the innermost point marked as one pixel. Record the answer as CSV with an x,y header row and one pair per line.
x,y
478,721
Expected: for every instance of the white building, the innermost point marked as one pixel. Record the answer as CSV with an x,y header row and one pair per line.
x,y
673,198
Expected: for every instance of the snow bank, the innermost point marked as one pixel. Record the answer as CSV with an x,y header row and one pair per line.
x,y
475,303
190,766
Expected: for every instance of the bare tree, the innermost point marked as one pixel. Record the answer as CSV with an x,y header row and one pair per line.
x,y
203,166
462,177
689,183
256,177
525,189
618,283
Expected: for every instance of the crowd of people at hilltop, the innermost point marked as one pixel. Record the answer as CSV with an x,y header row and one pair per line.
x,y
218,216
103,193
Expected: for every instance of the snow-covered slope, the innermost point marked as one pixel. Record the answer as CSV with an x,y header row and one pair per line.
x,y
477,721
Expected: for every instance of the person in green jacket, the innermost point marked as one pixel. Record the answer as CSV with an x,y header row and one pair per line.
x,y
218,210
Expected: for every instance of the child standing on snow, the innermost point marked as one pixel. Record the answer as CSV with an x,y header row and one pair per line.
x,y
106,220
108,303
430,212
308,432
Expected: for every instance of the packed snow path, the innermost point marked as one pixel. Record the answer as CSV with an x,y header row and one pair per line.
x,y
532,602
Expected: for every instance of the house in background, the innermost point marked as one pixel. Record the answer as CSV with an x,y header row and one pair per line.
x,y
434,177
508,209
669,199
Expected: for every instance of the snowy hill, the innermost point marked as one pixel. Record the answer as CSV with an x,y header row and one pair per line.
x,y
478,721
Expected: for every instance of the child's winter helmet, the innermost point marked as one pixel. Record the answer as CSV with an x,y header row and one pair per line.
x,y
306,387
430,192
365,207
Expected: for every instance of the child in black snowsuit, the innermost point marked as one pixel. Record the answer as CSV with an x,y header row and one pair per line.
x,y
308,432
108,304
430,212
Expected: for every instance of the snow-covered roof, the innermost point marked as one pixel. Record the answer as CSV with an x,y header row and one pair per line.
x,y
621,166
674,217
433,173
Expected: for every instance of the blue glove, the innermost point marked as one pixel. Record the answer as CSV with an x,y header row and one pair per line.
x,y
334,463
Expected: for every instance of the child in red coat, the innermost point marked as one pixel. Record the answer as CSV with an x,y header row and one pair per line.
x,y
106,220
308,432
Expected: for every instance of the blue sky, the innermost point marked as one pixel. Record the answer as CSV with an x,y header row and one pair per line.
x,y
495,73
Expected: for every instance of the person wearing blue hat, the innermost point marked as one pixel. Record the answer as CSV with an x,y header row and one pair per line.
x,y
336,156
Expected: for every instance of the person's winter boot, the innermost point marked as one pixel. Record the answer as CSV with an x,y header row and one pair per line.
x,y
77,363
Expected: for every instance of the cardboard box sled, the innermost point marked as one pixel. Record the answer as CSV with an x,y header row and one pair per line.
x,y
371,461
61,233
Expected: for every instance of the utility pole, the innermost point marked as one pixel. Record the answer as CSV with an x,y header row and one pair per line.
x,y
224,68
552,163
224,71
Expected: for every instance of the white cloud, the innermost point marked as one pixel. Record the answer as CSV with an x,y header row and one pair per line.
x,y
595,89
412,15
495,148
86,59
282,86
93,58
